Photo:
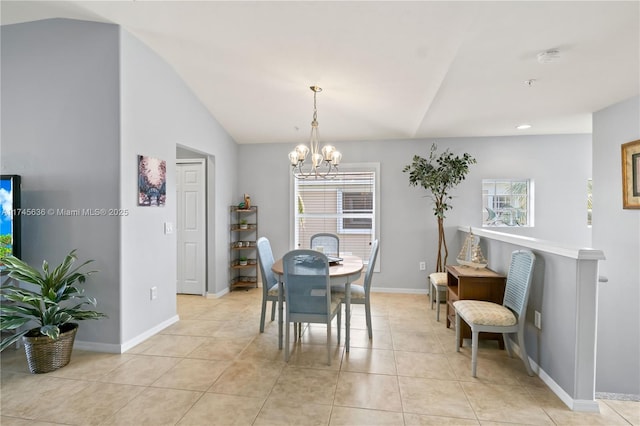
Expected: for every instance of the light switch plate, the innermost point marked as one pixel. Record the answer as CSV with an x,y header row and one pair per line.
x,y
168,228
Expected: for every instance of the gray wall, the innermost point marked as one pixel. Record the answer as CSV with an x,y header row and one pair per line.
x,y
60,121
617,232
80,101
559,164
159,112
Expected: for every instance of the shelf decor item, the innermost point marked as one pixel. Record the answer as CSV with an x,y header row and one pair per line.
x,y
439,174
471,254
55,307
631,175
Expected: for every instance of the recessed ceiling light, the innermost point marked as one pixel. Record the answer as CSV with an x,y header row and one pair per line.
x,y
523,127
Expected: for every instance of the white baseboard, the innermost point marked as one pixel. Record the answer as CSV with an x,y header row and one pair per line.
x,y
118,349
218,294
151,332
581,405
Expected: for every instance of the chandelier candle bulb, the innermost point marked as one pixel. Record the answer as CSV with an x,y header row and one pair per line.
x,y
327,152
293,157
336,157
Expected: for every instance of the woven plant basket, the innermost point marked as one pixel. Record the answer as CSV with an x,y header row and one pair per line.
x,y
45,355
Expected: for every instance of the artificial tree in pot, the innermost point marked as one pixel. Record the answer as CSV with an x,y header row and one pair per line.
x,y
54,304
439,174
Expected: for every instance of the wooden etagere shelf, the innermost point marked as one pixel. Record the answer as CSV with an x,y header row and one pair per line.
x,y
243,233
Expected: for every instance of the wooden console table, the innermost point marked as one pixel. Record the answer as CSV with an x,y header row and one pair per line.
x,y
464,282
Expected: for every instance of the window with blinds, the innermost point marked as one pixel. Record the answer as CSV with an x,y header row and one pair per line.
x,y
507,202
345,206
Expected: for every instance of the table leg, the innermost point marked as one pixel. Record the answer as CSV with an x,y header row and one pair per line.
x,y
347,325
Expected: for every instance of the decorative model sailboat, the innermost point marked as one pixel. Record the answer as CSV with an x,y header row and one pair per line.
x,y
471,254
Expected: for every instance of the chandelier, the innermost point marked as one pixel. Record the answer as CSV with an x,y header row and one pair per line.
x,y
323,163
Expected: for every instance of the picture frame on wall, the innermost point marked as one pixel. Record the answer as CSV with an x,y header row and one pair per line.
x,y
631,175
152,181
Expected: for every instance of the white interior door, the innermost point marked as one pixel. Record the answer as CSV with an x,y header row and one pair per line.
x,y
191,227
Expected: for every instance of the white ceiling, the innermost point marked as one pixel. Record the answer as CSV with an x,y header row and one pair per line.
x,y
389,70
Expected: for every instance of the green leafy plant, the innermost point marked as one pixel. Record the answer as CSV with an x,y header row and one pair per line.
x,y
50,306
439,174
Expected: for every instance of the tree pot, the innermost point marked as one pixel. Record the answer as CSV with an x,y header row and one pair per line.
x,y
45,354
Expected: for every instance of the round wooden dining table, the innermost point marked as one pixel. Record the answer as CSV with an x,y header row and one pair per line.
x,y
344,272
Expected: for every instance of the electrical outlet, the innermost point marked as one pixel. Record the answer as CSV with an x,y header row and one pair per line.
x,y
423,266
153,293
537,319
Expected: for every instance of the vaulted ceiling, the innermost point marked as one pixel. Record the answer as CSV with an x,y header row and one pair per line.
x,y
389,70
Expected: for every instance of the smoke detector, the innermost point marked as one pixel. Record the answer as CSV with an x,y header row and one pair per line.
x,y
549,56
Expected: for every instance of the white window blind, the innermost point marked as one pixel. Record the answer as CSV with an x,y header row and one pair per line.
x,y
345,206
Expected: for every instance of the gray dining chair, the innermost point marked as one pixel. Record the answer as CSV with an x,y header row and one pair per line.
x,y
361,294
508,318
330,243
270,287
307,287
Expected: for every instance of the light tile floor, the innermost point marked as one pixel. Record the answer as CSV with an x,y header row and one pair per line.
x,y
215,368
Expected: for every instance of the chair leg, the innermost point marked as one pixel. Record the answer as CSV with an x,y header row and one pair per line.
x,y
329,342
474,352
280,320
431,294
286,341
273,310
507,345
263,314
458,331
339,321
367,310
437,304
523,354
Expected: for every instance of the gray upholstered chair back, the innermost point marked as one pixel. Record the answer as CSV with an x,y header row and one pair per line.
x,y
518,286
265,257
307,286
329,242
370,266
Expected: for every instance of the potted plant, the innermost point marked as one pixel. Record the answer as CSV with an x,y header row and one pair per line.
x,y
242,261
439,174
50,305
244,224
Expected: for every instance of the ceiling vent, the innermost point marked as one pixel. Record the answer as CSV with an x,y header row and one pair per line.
x,y
549,56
